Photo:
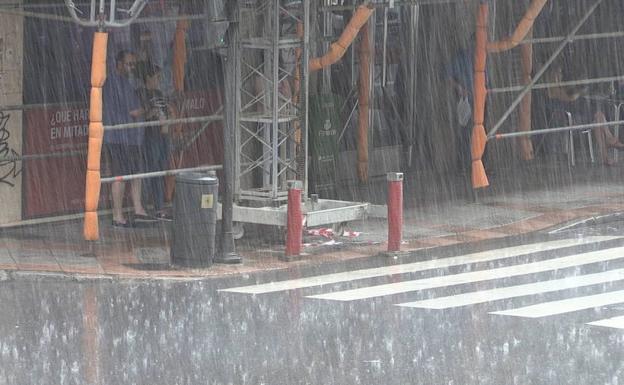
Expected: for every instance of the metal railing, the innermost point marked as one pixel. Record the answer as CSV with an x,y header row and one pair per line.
x,y
198,119
556,129
527,88
157,174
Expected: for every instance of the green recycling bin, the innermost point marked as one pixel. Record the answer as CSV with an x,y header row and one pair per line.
x,y
325,125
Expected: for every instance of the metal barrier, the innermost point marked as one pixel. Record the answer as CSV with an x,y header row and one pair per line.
x,y
157,174
198,119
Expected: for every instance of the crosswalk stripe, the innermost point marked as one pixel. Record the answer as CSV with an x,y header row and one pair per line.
x,y
484,296
565,306
485,256
615,322
475,276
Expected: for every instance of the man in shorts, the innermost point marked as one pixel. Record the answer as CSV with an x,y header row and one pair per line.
x,y
122,105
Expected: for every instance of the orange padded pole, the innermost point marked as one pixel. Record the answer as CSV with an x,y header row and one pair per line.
x,y
364,99
521,31
479,138
95,105
337,49
98,60
96,134
524,142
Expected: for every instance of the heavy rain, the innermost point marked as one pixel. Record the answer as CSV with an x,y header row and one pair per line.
x,y
291,192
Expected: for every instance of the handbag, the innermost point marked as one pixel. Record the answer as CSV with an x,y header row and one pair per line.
x,y
464,111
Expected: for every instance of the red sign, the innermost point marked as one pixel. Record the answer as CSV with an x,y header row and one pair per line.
x,y
55,185
203,141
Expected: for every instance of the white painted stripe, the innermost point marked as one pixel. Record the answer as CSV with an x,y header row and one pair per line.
x,y
483,296
615,322
484,256
475,276
565,306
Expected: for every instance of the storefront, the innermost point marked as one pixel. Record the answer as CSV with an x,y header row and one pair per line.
x,y
50,129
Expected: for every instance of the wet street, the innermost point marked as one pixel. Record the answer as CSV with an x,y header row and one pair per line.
x,y
544,309
480,141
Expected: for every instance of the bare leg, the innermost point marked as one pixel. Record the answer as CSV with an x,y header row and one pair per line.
x,y
610,139
604,138
117,192
136,197
601,144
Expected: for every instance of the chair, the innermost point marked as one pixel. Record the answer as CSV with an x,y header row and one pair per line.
x,y
570,142
616,129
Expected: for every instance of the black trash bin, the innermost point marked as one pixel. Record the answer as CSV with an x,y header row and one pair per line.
x,y
194,219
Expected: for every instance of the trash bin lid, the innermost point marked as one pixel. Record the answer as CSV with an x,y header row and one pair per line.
x,y
197,178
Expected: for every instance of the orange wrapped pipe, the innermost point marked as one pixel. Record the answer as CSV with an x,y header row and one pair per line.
x,y
479,138
93,159
95,105
523,28
364,96
337,49
179,54
98,60
178,73
91,233
92,191
524,142
96,135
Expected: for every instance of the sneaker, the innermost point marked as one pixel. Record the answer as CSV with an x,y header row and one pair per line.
x,y
163,217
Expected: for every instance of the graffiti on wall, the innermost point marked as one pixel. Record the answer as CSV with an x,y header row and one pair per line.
x,y
9,169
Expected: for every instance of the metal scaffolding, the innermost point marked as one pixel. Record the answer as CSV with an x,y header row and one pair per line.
x,y
272,114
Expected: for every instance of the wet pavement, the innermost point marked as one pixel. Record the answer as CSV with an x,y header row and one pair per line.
x,y
284,326
520,287
505,210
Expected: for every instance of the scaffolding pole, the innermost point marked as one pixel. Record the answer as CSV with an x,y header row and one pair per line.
x,y
269,115
542,70
157,174
578,127
570,83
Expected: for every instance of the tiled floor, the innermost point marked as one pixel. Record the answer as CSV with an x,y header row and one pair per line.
x,y
144,252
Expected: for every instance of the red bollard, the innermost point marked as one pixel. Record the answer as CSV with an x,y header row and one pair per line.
x,y
395,211
294,221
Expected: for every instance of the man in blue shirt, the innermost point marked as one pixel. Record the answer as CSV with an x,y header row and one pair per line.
x,y
460,73
122,105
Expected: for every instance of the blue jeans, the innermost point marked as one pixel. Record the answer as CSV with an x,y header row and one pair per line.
x,y
156,159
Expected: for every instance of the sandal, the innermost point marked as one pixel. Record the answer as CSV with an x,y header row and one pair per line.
x,y
122,224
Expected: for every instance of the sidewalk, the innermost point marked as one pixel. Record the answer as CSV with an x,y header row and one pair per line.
x,y
144,253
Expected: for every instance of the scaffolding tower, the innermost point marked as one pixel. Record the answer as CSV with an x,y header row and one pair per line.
x,y
271,137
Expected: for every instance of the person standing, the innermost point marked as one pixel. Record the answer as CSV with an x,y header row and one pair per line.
x,y
122,105
156,141
460,75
